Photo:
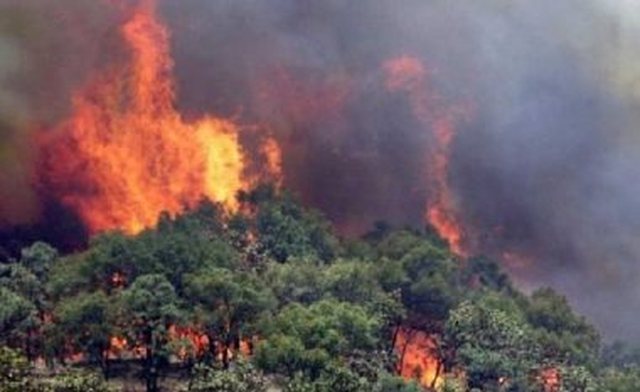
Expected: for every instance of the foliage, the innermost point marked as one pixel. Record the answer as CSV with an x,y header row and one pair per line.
x,y
342,379
78,381
14,372
312,311
307,338
565,337
242,377
620,380
490,344
85,322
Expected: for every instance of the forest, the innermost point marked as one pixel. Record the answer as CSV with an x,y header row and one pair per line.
x,y
270,298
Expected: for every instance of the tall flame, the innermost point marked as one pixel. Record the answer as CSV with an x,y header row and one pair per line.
x,y
125,154
408,75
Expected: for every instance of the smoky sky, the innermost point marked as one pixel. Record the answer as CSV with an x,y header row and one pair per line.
x,y
545,166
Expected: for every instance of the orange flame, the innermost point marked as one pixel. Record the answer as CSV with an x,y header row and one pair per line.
x,y
417,358
125,154
550,379
408,75
273,154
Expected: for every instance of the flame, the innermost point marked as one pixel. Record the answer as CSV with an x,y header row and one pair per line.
x,y
198,340
408,75
125,154
550,379
273,155
417,359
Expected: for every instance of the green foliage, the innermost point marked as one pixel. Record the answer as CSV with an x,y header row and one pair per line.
x,y
18,317
620,380
84,322
577,379
486,273
14,372
390,383
490,344
78,381
242,377
307,338
148,307
295,281
342,379
150,301
287,231
320,311
564,336
228,304
39,258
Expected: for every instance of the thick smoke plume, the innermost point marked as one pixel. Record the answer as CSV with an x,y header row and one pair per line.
x,y
542,168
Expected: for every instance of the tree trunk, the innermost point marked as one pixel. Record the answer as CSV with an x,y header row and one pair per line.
x,y
104,363
437,375
151,369
225,354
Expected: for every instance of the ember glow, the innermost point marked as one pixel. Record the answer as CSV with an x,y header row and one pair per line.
x,y
417,358
409,75
125,154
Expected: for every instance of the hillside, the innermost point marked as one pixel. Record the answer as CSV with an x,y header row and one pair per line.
x,y
271,297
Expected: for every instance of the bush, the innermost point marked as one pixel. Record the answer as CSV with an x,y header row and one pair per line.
x,y
15,372
241,377
78,381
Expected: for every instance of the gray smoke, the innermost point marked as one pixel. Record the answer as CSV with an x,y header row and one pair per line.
x,y
546,166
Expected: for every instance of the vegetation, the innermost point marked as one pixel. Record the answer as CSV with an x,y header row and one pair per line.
x,y
269,298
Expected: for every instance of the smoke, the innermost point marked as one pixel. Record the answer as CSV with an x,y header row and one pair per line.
x,y
544,170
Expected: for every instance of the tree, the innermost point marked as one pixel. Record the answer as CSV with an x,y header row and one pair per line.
x,y
85,321
565,337
149,307
285,230
491,345
620,380
15,372
18,321
308,338
577,379
78,381
242,377
432,289
28,278
229,305
295,281
39,258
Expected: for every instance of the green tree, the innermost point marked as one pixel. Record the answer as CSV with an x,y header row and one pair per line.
x,y
85,321
308,338
39,258
242,377
577,379
18,321
77,381
620,380
228,305
564,336
295,281
286,230
28,279
15,372
148,308
491,345
432,290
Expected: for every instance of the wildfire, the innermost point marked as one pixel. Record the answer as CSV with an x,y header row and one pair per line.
x,y
417,358
408,75
125,154
273,155
550,379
